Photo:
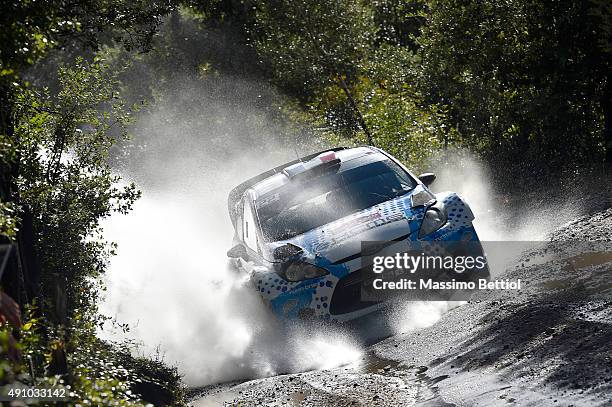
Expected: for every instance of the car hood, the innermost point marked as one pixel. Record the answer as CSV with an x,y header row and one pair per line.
x,y
337,241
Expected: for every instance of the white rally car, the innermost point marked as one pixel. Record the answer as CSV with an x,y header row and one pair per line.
x,y
299,227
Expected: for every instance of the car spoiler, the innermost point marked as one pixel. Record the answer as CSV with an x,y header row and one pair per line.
x,y
236,193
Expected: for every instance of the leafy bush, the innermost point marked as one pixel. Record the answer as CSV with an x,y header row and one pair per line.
x,y
66,183
100,373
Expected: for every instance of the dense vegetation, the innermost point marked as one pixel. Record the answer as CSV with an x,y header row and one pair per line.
x,y
56,185
525,84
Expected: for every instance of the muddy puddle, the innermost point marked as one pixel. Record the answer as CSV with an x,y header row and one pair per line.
x,y
588,260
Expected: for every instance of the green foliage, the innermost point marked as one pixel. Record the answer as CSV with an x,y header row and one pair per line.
x,y
600,12
354,74
65,176
399,21
522,79
55,174
316,48
67,183
406,130
30,28
310,43
9,220
102,374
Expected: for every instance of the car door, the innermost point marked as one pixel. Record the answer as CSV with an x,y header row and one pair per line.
x,y
251,237
249,231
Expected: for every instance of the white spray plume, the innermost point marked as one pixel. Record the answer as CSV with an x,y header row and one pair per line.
x,y
414,315
500,217
464,173
170,279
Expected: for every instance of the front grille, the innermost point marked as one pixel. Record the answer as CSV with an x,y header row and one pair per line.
x,y
373,250
347,294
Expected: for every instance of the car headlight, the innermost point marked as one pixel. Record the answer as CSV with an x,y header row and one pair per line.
x,y
433,220
299,271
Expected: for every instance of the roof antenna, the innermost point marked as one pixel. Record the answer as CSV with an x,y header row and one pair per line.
x,y
295,146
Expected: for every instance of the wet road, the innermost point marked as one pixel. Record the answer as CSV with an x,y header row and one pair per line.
x,y
548,345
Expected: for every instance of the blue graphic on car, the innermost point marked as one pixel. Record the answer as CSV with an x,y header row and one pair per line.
x,y
299,227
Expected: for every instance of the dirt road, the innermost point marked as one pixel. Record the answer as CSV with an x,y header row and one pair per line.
x,y
548,345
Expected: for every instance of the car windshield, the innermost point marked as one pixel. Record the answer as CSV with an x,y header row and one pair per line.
x,y
298,207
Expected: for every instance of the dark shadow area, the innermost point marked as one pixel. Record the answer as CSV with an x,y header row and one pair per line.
x,y
547,333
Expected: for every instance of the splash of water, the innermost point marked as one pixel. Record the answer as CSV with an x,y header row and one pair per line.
x,y
462,172
170,280
415,315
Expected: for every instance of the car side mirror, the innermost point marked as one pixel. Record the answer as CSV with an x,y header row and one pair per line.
x,y
427,178
238,252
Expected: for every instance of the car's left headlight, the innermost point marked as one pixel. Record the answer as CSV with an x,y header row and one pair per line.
x,y
298,271
434,219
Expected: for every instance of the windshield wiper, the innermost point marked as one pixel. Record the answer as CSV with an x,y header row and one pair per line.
x,y
392,195
401,192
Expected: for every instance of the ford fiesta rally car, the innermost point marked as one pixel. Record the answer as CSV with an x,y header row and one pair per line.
x,y
299,227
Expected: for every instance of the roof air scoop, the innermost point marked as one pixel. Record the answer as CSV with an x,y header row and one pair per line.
x,y
315,166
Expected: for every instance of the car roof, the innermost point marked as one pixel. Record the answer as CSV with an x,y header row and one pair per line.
x,y
349,158
275,178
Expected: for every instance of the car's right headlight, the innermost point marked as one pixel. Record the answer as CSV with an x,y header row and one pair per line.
x,y
433,220
298,271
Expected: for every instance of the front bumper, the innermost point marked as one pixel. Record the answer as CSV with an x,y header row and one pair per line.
x,y
336,296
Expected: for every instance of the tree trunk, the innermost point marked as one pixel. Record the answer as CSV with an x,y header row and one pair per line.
x,y
606,105
360,118
24,269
